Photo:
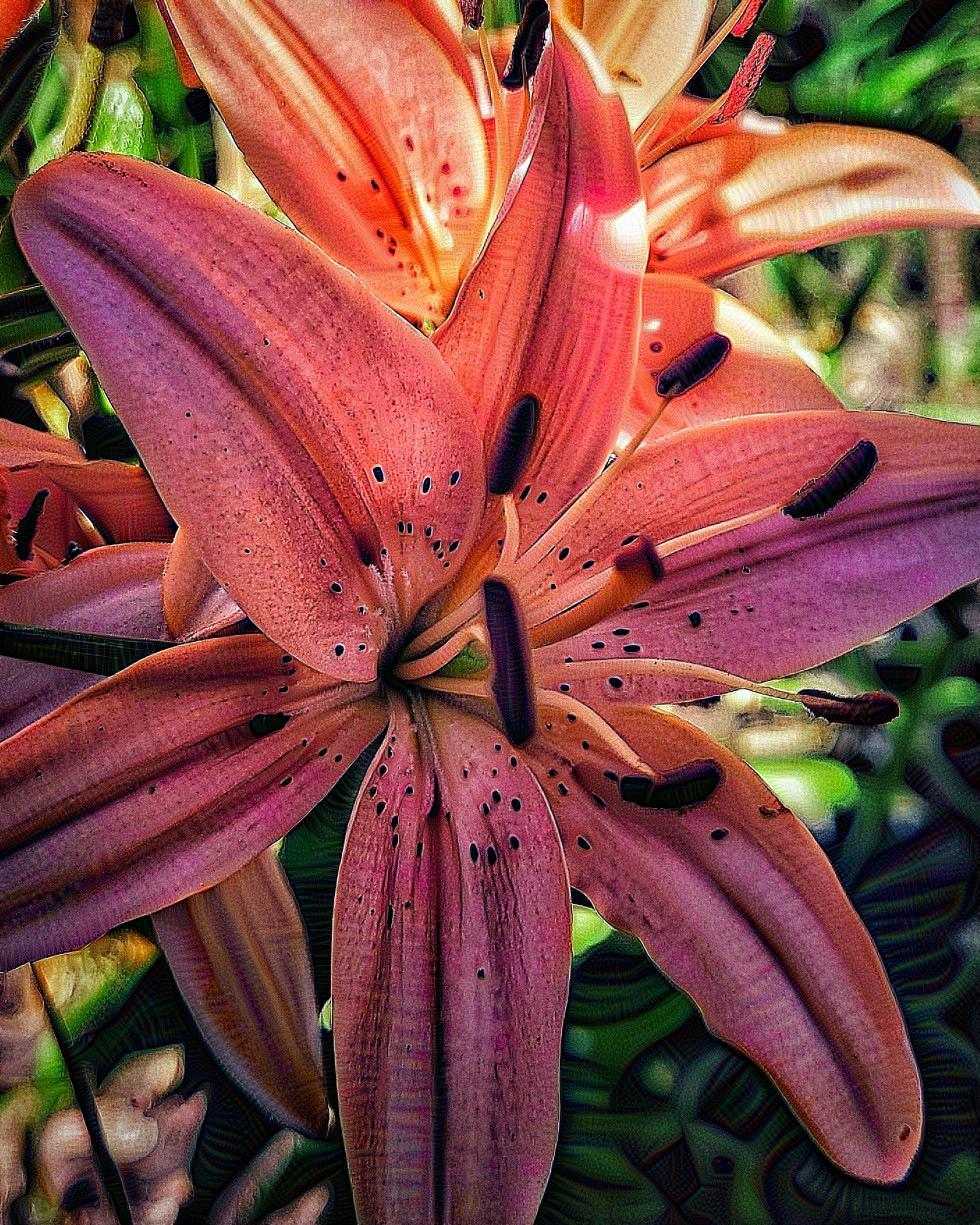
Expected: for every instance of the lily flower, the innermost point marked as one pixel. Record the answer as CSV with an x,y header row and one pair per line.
x,y
393,163
54,503
433,553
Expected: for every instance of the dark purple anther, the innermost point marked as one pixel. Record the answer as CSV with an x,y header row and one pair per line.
x,y
512,685
528,46
827,491
512,448
693,365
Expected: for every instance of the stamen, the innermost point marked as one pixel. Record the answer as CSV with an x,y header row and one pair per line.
x,y
529,44
512,536
693,365
511,682
747,19
576,711
26,529
728,106
738,23
512,448
472,13
442,629
862,709
104,654
688,785
746,82
823,494
859,710
635,568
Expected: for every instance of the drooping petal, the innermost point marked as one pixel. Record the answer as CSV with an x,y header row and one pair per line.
x,y
241,959
761,374
645,47
725,203
194,604
736,903
361,125
161,781
292,455
552,307
780,594
451,956
112,590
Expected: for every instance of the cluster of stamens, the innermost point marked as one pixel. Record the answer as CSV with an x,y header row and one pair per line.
x,y
495,616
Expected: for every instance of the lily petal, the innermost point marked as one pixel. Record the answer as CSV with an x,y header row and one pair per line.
x,y
380,448
451,955
645,47
737,904
781,594
101,825
761,374
551,309
381,159
112,590
194,605
241,959
725,203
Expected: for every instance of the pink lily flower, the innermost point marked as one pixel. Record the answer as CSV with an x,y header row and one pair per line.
x,y
479,588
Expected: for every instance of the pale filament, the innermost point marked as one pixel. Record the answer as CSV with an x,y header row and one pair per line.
x,y
503,153
676,543
688,129
595,669
560,701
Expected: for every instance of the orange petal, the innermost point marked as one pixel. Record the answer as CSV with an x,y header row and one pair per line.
x,y
13,15
302,454
722,204
240,956
362,125
198,792
761,374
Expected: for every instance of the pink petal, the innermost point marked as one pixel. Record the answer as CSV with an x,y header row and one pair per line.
x,y
381,159
552,307
194,605
450,969
240,956
737,904
761,374
152,785
779,595
725,203
290,450
112,590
